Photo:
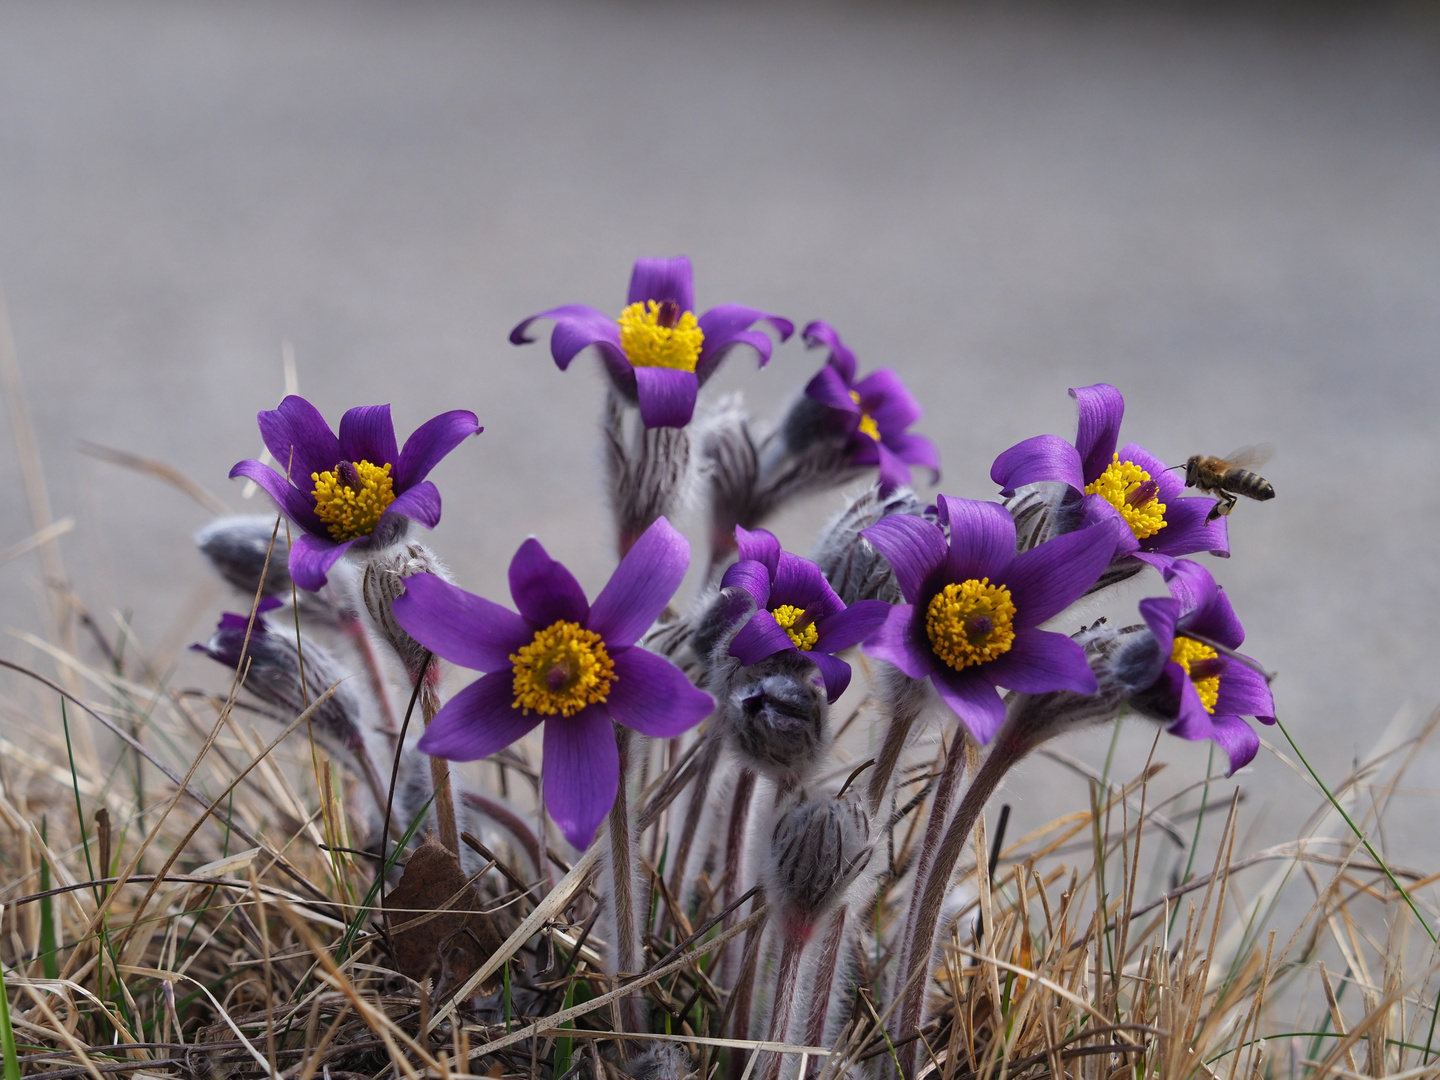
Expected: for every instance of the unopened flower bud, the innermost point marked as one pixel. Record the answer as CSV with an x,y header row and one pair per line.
x,y
776,715
663,1061
818,847
381,581
1044,511
237,548
855,570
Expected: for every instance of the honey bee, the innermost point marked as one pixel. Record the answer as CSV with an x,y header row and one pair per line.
x,y
1232,475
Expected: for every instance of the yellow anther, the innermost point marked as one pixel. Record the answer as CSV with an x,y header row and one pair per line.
x,y
867,422
562,670
351,512
805,637
970,622
1188,652
1118,485
648,342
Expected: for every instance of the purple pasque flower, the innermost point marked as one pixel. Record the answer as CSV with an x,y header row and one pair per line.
x,y
658,352
355,490
573,665
874,412
796,610
227,641
1131,484
970,621
1202,690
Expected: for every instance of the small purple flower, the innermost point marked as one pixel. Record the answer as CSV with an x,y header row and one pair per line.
x,y
874,412
973,607
229,636
658,352
1131,484
1205,691
562,661
797,611
359,489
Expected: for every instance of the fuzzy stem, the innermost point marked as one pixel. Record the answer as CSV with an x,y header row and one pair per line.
x,y
781,1006
439,772
379,685
738,1007
820,995
625,955
699,788
905,700
735,859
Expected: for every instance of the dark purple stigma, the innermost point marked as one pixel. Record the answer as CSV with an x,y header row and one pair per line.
x,y
979,626
559,676
1209,668
1143,494
668,314
348,475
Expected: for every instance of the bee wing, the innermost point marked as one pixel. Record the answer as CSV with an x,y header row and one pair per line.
x,y
1250,457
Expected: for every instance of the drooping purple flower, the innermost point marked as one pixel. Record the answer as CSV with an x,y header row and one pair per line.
x,y
658,352
229,637
1183,679
355,490
573,665
796,610
973,607
874,412
1131,484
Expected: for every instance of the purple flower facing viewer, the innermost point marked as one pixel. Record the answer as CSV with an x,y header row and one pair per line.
x,y
562,661
1129,483
658,352
796,610
1202,691
355,490
874,412
973,607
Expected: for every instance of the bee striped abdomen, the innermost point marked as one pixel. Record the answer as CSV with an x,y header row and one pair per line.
x,y
1251,485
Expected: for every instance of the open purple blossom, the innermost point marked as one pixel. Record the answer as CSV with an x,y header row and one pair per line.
x,y
573,665
1130,483
355,490
874,412
973,607
796,610
1184,679
658,352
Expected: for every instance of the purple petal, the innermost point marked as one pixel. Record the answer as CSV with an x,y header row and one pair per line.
x,y
1045,457
761,636
1099,513
421,503
653,696
478,721
894,473
1101,409
1239,742
912,546
459,626
368,434
729,325
888,401
800,583
298,506
543,590
430,442
982,539
667,396
895,642
1193,723
830,389
851,626
581,772
663,279
915,449
1244,692
1047,579
759,545
842,360
751,576
576,327
834,671
1208,610
299,439
973,700
641,585
1160,615
311,559
1039,661
1187,532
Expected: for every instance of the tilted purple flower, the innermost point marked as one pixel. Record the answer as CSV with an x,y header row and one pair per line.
x,y
1178,676
658,352
973,607
874,412
796,610
1131,484
355,490
226,642
573,665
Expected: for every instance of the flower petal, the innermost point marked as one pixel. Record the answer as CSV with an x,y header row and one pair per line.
x,y
641,585
799,582
761,636
982,539
834,671
1045,457
478,721
299,439
1102,407
889,401
751,576
430,442
1193,723
1186,530
842,360
543,590
577,327
1244,692
663,279
1048,578
729,325
653,696
581,772
828,387
973,700
459,626
421,503
311,559
296,504
760,545
1236,738
368,434
896,642
894,473
666,395
915,449
914,548
1040,661
850,627
1160,615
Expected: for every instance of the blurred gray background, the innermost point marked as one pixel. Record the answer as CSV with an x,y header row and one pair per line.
x,y
1231,215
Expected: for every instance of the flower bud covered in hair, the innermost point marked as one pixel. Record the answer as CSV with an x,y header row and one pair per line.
x,y
852,565
383,580
238,548
776,715
818,847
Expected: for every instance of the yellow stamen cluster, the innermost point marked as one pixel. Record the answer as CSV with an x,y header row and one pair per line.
x,y
970,622
867,422
1188,651
1121,479
649,343
350,512
805,637
562,670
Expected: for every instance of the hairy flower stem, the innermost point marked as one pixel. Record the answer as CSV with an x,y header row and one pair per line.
x,y
782,1004
620,869
379,685
735,860
439,767
708,758
904,699
648,470
821,985
738,1007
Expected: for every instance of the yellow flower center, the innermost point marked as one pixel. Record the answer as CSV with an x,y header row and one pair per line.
x,y
867,422
804,635
970,623
1201,663
1130,489
562,670
351,497
660,335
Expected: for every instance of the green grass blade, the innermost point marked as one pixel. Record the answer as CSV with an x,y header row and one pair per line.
x,y
7,1033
